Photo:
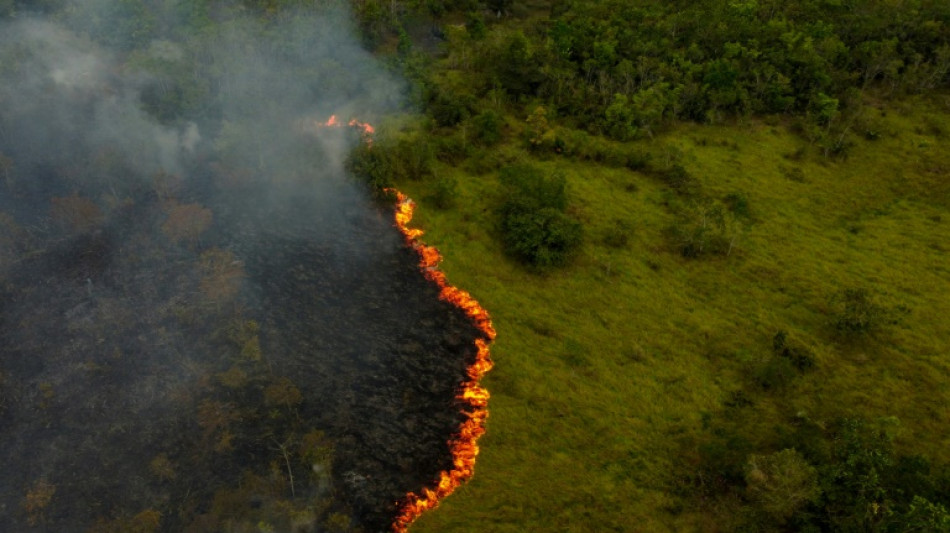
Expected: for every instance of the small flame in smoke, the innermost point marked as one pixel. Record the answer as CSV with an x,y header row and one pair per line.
x,y
472,396
367,129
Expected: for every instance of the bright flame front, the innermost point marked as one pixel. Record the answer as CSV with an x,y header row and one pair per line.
x,y
472,397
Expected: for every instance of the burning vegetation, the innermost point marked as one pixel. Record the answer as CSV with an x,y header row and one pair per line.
x,y
206,325
472,397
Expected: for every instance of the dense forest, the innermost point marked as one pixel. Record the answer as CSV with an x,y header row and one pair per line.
x,y
712,235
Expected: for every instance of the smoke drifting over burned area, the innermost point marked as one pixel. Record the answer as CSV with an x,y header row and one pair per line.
x,y
240,86
204,323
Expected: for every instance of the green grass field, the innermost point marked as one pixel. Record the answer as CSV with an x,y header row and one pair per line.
x,y
609,370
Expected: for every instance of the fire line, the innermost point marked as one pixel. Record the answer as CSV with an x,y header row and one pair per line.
x,y
472,396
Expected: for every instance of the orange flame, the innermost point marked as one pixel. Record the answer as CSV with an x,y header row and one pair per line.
x,y
367,129
472,396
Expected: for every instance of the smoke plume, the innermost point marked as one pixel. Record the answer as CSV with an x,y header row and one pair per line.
x,y
205,324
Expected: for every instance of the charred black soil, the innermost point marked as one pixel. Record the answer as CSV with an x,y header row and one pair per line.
x,y
203,363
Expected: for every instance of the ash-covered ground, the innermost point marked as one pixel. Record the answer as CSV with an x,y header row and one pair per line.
x,y
205,325
194,378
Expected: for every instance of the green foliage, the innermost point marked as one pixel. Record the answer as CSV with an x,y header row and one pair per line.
x,y
379,164
858,314
775,374
371,166
706,229
703,329
475,25
445,192
738,203
618,234
780,484
535,228
800,356
448,108
925,516
856,495
517,67
487,128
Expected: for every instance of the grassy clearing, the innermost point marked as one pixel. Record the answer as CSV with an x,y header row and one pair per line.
x,y
607,370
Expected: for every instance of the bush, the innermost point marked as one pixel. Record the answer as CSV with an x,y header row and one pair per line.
x,y
856,313
738,204
444,192
528,189
483,161
447,108
371,166
382,163
780,484
776,373
487,128
534,227
542,238
677,178
798,354
706,229
452,149
618,234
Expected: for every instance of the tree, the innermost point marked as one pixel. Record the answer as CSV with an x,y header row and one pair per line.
x,y
926,517
221,275
620,121
538,133
857,497
76,213
186,222
781,483
517,67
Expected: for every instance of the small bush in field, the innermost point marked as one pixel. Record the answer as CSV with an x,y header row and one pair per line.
x,y
535,228
444,192
858,314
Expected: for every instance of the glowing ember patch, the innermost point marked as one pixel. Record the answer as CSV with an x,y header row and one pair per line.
x,y
471,396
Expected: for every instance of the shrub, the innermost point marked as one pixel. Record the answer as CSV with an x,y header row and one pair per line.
x,y
857,314
529,189
452,149
534,227
780,484
618,234
487,128
738,204
483,161
677,178
798,354
447,108
410,158
444,192
706,229
370,165
382,163
776,373
542,238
